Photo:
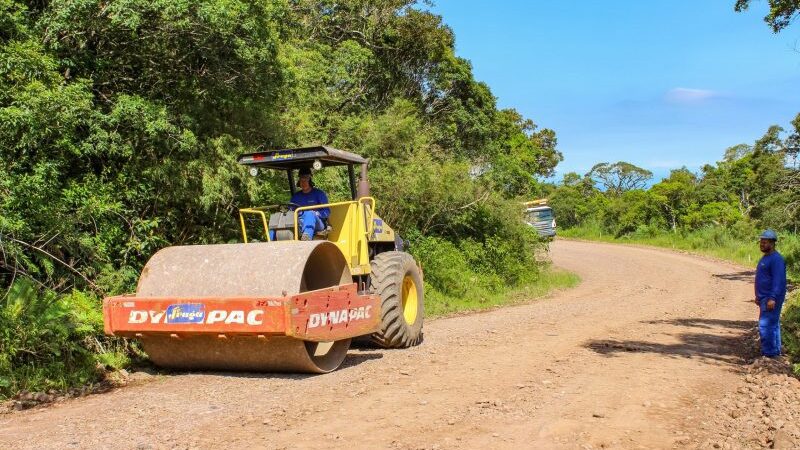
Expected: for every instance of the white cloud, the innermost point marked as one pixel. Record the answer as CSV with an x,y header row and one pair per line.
x,y
689,96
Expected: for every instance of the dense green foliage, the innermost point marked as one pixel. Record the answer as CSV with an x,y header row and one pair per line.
x,y
120,122
790,330
45,336
753,186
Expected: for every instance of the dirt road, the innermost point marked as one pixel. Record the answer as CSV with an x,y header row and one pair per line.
x,y
641,355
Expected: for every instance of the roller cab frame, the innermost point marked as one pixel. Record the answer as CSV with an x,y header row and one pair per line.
x,y
355,227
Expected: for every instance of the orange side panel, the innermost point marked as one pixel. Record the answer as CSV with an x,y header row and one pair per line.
x,y
132,315
330,315
322,315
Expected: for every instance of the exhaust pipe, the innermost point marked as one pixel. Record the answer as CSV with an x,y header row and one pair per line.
x,y
363,182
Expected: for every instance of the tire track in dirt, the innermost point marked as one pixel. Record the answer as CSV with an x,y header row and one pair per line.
x,y
634,357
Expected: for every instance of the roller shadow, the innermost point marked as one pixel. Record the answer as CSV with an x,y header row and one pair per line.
x,y
354,358
732,348
357,356
364,343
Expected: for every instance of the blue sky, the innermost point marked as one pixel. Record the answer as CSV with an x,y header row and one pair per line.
x,y
661,84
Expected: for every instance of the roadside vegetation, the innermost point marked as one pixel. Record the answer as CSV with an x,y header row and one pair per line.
x,y
120,123
739,246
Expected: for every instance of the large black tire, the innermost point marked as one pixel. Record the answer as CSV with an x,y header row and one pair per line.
x,y
396,278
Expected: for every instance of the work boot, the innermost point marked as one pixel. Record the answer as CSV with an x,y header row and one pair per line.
x,y
305,237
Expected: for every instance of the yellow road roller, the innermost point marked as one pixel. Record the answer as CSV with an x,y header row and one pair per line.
x,y
280,301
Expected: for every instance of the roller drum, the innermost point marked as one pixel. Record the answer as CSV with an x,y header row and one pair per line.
x,y
244,270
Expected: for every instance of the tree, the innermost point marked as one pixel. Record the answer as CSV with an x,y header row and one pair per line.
x,y
626,212
737,152
674,195
522,153
781,12
620,176
120,121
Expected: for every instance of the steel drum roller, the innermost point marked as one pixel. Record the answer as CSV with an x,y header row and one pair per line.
x,y
244,270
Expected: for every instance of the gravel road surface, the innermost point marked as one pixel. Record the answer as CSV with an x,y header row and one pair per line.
x,y
653,349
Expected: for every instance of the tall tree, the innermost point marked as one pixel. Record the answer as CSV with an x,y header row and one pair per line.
x,y
620,176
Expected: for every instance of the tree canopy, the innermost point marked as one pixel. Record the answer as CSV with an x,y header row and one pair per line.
x,y
781,12
620,176
752,185
120,123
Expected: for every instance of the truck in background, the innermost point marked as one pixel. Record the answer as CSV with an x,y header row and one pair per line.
x,y
540,216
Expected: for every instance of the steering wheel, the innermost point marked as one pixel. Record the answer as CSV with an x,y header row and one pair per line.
x,y
284,207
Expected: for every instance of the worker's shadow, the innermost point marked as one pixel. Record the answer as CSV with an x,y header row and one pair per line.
x,y
744,275
725,342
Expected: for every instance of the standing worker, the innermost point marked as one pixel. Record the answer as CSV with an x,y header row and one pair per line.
x,y
770,290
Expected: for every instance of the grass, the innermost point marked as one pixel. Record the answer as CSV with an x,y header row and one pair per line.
x,y
548,280
717,243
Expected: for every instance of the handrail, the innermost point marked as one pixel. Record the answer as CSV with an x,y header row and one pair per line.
x,y
255,211
370,228
260,211
371,222
312,207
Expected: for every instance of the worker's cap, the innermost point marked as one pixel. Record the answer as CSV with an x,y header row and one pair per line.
x,y
304,172
769,234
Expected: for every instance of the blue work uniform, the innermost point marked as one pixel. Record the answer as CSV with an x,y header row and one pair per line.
x,y
311,221
770,284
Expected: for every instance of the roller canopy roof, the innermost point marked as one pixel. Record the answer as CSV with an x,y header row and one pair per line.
x,y
296,158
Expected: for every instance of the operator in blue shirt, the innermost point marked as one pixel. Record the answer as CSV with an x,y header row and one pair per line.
x,y
314,220
770,290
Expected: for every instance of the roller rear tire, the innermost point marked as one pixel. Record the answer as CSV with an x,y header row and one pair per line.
x,y
396,278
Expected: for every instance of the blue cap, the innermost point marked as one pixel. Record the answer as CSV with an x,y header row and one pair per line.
x,y
769,234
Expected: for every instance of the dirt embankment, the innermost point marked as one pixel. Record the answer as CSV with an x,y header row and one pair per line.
x,y
653,350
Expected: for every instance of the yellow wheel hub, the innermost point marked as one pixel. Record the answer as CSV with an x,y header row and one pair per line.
x,y
409,299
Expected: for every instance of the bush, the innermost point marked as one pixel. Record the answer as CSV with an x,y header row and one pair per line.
x,y
470,275
789,247
444,265
51,341
790,329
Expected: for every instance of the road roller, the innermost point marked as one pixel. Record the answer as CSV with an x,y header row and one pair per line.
x,y
276,302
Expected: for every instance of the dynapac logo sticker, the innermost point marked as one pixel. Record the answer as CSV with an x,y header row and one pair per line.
x,y
282,154
186,313
254,317
336,317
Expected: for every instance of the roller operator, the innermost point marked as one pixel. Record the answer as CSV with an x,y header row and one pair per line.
x,y
313,220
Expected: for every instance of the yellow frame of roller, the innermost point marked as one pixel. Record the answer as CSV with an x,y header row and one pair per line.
x,y
371,249
355,226
350,234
